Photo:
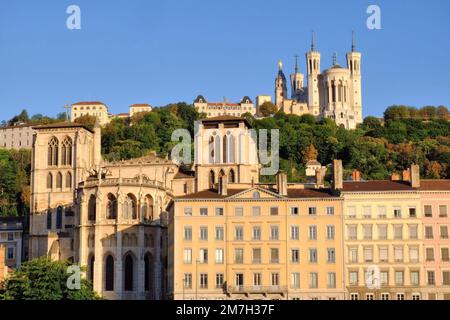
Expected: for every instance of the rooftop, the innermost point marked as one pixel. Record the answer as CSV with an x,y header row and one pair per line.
x,y
62,125
381,185
88,103
226,119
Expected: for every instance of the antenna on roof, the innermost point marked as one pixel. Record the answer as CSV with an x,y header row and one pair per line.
x,y
67,107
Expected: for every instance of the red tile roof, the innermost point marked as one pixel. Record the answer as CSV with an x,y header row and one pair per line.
x,y
381,185
435,185
226,119
140,105
210,194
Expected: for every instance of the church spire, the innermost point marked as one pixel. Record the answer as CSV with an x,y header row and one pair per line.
x,y
312,42
296,63
353,41
335,59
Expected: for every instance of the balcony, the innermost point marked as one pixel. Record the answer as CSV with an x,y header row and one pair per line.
x,y
257,289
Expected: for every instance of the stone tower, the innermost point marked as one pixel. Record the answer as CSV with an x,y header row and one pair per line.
x,y
280,87
296,82
354,65
313,66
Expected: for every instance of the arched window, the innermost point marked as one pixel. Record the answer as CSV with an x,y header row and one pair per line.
x,y
59,217
147,262
232,149
128,272
66,152
109,273
333,91
49,181
212,179
92,208
256,195
130,207
147,208
59,180
225,149
91,269
49,219
211,150
53,152
231,177
68,180
217,149
111,207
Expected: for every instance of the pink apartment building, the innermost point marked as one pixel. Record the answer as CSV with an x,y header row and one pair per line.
x,y
435,200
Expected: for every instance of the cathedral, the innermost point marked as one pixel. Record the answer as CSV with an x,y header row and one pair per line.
x,y
334,93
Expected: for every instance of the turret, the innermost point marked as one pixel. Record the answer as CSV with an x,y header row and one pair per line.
x,y
313,66
280,86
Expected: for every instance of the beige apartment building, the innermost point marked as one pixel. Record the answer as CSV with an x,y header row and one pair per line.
x,y
225,108
11,244
93,108
16,137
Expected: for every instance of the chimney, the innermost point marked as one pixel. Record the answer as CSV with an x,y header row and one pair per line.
x,y
223,185
415,176
395,177
406,175
320,177
356,175
338,180
282,183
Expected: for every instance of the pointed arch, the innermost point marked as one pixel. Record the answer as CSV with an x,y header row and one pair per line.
x,y
92,208
53,146
148,261
147,208
231,177
59,180
232,149
111,207
217,149
49,181
59,217
66,152
212,179
225,148
211,150
68,180
109,273
130,207
129,272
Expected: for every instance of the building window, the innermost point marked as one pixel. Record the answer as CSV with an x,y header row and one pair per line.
x,y
431,279
429,253
274,233
331,280
274,255
256,211
109,274
66,152
367,212
257,279
428,209
353,254
313,280
444,232
59,180
275,279
128,273
188,211
256,195
238,255
384,278
412,212
445,254
68,180
416,296
295,233
256,255
312,255
203,256
352,232
53,146
353,278
49,220
331,255
295,256
219,256
367,232
397,212
414,254
369,296
368,254
351,212
219,233
399,278
203,211
187,256
239,233
294,211
429,232
312,233
382,232
382,213
330,232
219,211
413,234
204,233
256,233
312,211
220,280
273,211
187,233
384,253
10,254
446,278
92,208
130,207
59,217
415,276
49,181
204,281
398,232
400,296
10,236
330,211
238,211
295,280
111,207
398,253
442,211
385,296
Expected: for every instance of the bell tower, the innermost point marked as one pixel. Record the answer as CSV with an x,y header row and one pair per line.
x,y
313,66
354,65
296,82
280,86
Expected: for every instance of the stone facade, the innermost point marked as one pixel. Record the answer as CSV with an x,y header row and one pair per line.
x,y
216,109
16,137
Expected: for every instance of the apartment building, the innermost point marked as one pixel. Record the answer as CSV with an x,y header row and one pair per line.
x,y
17,137
11,230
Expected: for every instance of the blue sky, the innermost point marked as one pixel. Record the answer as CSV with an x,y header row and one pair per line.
x,y
157,52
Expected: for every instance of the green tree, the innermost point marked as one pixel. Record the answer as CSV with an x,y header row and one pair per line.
x,y
267,109
87,120
44,279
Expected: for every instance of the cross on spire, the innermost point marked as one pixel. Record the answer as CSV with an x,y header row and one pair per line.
x,y
334,58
